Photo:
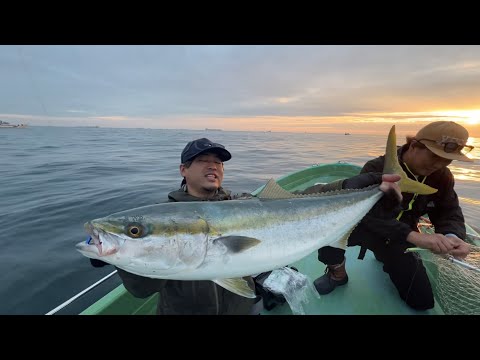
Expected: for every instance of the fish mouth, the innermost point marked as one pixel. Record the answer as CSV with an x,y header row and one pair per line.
x,y
99,243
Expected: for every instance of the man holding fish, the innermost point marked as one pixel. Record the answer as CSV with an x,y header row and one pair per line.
x,y
424,159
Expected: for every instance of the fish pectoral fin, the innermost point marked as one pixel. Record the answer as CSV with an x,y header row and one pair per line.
x,y
236,243
239,286
272,190
392,166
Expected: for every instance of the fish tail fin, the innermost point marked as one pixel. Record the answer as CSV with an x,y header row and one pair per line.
x,y
392,166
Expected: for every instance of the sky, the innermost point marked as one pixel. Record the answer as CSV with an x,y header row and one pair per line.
x,y
295,88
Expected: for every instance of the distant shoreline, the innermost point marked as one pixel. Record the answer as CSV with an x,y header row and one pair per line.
x,y
400,134
7,125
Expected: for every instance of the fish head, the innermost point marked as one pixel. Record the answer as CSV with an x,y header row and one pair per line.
x,y
145,245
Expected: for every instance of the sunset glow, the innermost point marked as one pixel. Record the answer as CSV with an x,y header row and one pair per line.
x,y
358,89
469,117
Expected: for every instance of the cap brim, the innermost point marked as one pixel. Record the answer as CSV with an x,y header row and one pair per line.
x,y
450,156
222,153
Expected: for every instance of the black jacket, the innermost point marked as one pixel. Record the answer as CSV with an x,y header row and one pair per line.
x,y
181,297
442,208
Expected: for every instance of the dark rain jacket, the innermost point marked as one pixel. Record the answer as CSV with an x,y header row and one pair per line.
x,y
442,208
181,297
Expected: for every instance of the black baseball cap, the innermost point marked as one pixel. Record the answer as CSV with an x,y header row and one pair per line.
x,y
196,147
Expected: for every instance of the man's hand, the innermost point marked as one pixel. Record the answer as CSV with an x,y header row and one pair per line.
x,y
389,206
387,183
461,249
390,187
440,244
98,263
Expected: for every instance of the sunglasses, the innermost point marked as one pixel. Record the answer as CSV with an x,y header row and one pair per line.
x,y
450,146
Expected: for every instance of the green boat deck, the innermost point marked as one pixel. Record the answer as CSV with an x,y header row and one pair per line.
x,y
369,290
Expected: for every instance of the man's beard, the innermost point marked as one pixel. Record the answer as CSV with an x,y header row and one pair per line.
x,y
211,189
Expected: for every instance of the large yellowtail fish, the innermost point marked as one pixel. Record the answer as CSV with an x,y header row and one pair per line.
x,y
223,241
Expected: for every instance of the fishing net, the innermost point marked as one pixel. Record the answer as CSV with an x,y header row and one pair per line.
x,y
456,284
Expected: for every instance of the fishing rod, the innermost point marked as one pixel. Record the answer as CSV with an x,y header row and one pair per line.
x,y
473,236
83,292
461,263
447,257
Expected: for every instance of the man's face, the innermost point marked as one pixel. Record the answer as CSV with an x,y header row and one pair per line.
x,y
424,162
205,174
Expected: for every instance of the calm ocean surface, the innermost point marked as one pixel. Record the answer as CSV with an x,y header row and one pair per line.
x,y
55,179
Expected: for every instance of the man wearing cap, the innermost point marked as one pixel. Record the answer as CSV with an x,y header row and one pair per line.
x,y
424,158
202,170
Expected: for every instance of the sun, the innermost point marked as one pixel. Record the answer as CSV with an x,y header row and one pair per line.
x,y
472,117
474,120
469,117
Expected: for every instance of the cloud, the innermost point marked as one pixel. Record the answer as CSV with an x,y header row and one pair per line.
x,y
151,85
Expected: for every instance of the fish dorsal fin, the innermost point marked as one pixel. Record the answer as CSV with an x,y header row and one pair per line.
x,y
392,166
274,191
238,286
236,244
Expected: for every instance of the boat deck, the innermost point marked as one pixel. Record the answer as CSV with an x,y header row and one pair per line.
x,y
369,290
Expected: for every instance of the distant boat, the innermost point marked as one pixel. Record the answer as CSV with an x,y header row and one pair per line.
x,y
207,129
347,133
7,125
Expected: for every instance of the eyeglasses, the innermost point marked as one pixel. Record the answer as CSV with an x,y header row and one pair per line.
x,y
450,146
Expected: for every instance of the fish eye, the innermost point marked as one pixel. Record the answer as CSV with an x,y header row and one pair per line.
x,y
135,230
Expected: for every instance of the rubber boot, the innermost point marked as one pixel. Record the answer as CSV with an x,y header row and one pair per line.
x,y
335,275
